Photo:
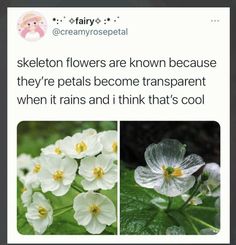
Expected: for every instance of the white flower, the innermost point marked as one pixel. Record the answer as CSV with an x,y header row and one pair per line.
x,y
24,164
89,132
175,230
26,195
211,187
168,172
53,149
39,213
94,211
81,145
99,172
109,142
32,178
194,201
57,174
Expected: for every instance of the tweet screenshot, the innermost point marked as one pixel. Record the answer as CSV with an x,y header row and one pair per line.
x,y
118,125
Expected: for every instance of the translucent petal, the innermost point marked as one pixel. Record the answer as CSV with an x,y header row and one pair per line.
x,y
175,230
175,186
146,178
193,201
168,152
191,164
207,231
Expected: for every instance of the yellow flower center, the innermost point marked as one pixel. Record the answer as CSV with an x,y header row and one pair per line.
x,y
98,172
81,147
58,175
42,212
172,172
58,151
37,168
94,209
114,147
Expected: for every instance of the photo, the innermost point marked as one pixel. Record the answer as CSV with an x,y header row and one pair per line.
x,y
67,177
169,177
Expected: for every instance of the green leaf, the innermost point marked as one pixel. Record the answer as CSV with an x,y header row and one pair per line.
x,y
143,211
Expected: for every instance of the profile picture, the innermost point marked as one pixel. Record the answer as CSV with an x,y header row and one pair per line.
x,y
32,26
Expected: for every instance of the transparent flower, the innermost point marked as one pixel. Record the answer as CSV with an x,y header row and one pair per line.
x,y
99,172
168,172
194,201
24,165
207,231
109,142
81,145
58,174
211,187
39,213
54,149
32,178
26,195
175,230
94,211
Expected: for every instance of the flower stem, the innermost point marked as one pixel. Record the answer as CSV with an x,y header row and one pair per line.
x,y
211,209
77,188
192,224
169,203
57,209
191,196
203,223
63,211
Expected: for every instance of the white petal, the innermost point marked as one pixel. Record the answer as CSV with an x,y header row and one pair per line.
x,y
70,165
105,184
104,161
108,212
62,190
111,175
40,225
191,164
107,138
89,132
175,186
86,167
81,202
90,185
213,169
95,227
49,185
83,217
168,152
146,178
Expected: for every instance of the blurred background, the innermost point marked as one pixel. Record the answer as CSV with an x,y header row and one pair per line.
x,y
34,135
202,138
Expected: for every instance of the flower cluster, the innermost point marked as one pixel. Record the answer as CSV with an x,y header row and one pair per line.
x,y
89,154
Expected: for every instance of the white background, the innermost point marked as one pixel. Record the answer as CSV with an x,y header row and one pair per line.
x,y
154,33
